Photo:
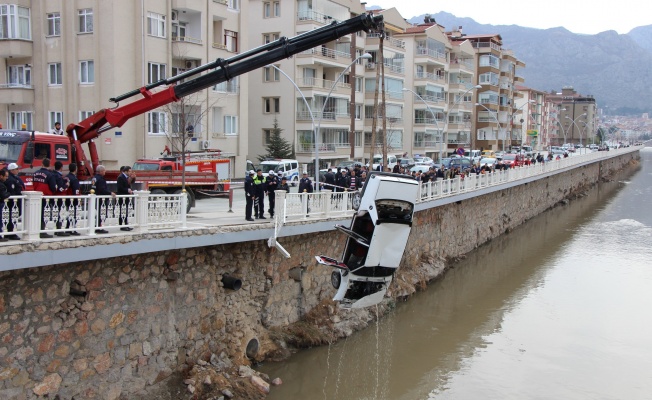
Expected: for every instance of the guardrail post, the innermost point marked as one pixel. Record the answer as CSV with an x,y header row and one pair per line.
x,y
231,201
279,207
32,214
142,210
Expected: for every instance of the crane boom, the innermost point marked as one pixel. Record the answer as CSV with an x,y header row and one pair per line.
x,y
222,70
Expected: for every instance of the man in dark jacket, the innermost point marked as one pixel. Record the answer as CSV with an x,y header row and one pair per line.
x,y
45,182
62,188
74,189
249,194
343,181
271,184
15,186
305,186
4,194
98,184
329,180
124,189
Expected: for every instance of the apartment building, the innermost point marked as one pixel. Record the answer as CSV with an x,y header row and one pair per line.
x,y
576,116
532,116
497,73
328,95
63,60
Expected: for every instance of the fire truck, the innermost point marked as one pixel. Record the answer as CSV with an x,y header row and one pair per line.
x,y
27,149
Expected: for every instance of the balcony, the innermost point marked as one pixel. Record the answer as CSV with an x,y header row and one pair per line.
x,y
428,121
323,147
16,48
326,56
462,64
186,39
430,99
16,94
431,55
430,77
374,39
484,47
315,83
314,16
318,115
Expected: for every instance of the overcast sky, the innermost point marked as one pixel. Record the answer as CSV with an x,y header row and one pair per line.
x,y
578,16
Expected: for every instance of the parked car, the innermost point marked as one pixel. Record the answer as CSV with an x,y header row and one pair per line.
x,y
421,168
423,160
488,161
349,164
461,163
489,154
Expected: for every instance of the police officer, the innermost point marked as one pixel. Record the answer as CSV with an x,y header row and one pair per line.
x,y
45,182
271,184
74,189
15,186
259,189
62,188
329,180
98,184
305,186
4,194
249,194
124,188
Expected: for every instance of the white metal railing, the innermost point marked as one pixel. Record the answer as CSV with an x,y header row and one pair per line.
x,y
431,53
389,40
186,39
325,204
429,76
322,83
328,53
34,216
310,15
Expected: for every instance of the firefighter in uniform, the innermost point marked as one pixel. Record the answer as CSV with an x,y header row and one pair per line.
x,y
15,186
98,184
45,182
73,190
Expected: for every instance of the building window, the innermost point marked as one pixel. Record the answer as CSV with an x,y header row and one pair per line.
x,y
234,4
358,111
85,114
86,20
271,9
156,123
271,105
155,24
54,74
155,72
182,121
15,22
271,74
231,40
270,37
267,134
19,76
18,118
86,72
54,24
230,125
228,86
54,117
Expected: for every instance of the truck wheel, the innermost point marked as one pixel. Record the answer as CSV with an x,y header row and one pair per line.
x,y
190,198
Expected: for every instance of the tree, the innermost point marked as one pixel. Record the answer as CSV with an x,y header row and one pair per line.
x,y
277,146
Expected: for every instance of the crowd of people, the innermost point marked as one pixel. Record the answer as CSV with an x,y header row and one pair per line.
x,y
51,181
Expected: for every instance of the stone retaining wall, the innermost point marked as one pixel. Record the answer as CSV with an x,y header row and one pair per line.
x,y
112,328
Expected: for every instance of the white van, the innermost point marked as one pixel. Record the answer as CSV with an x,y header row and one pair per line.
x,y
473,155
283,168
378,159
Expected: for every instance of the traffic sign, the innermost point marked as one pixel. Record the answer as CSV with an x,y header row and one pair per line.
x,y
460,151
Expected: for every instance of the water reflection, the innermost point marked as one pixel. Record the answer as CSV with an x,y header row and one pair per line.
x,y
557,308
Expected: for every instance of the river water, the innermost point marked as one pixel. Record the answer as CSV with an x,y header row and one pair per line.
x,y
557,309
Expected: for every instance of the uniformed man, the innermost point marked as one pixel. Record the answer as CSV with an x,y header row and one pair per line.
x,y
284,185
45,182
271,184
73,190
4,194
98,184
15,186
259,189
124,188
305,186
62,188
249,194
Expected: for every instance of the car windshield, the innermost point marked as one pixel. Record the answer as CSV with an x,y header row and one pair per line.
x,y
9,152
509,157
269,167
142,166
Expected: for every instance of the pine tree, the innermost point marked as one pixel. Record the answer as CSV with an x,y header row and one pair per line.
x,y
277,147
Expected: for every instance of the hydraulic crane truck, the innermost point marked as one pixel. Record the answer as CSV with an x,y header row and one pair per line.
x,y
22,147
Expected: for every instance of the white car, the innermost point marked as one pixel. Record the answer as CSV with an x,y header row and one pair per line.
x,y
376,240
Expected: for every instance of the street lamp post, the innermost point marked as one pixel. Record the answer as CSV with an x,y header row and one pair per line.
x,y
511,121
434,117
496,119
562,128
365,56
578,128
